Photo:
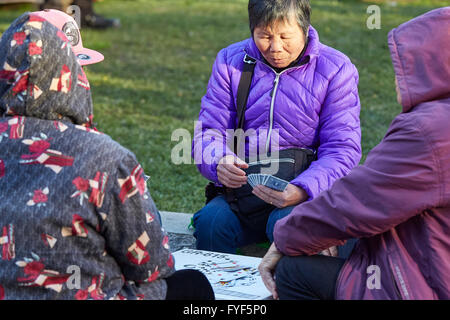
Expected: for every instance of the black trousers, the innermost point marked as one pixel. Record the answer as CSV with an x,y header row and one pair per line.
x,y
310,277
188,285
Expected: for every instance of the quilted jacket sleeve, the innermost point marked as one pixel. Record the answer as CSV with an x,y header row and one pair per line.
x,y
339,136
133,234
217,114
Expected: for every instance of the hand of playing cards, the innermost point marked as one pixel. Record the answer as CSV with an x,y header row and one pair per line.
x,y
268,181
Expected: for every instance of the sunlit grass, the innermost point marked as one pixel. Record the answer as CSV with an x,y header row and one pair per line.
x,y
158,63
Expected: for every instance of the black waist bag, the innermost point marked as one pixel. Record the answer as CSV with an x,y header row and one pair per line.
x,y
252,211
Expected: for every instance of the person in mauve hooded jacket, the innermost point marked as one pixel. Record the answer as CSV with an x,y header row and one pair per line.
x,y
398,202
76,218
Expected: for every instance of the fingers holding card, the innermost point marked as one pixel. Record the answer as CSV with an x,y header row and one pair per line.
x,y
268,181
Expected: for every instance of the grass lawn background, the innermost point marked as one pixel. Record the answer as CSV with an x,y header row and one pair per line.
x,y
158,63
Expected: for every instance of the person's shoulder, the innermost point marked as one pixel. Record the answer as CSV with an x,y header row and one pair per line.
x,y
332,60
95,141
427,121
431,118
234,52
426,125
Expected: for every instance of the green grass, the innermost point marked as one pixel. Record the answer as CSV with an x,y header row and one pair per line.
x,y
158,63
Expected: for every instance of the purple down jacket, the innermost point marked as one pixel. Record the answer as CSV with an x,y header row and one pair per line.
x,y
398,202
314,105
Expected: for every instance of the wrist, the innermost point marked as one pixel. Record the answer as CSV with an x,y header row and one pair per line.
x,y
300,195
303,194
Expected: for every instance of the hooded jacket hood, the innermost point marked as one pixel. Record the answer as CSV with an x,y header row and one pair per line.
x,y
420,53
39,74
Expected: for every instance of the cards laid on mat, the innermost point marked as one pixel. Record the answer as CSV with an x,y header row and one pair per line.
x,y
233,277
268,181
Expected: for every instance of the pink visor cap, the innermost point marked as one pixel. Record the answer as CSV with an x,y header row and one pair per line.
x,y
68,25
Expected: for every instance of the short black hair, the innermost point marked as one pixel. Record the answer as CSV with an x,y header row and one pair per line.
x,y
262,13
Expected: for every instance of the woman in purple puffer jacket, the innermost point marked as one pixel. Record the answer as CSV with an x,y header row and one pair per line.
x,y
303,94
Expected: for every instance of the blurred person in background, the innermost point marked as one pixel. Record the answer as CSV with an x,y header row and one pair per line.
x,y
89,18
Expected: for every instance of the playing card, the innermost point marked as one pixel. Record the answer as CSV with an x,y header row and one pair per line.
x,y
230,266
276,183
224,276
252,270
270,181
260,178
253,179
250,180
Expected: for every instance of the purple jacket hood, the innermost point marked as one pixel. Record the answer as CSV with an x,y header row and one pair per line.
x,y
421,63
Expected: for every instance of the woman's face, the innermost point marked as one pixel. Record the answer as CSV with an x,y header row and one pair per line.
x,y
281,42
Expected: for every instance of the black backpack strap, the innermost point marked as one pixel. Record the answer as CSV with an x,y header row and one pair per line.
x,y
241,105
243,91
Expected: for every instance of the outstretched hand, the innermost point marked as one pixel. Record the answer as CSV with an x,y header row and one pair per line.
x,y
267,269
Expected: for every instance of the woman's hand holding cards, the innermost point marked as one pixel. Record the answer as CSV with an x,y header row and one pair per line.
x,y
231,175
291,196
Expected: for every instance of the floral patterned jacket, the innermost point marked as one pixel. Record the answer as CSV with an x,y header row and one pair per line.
x,y
76,218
